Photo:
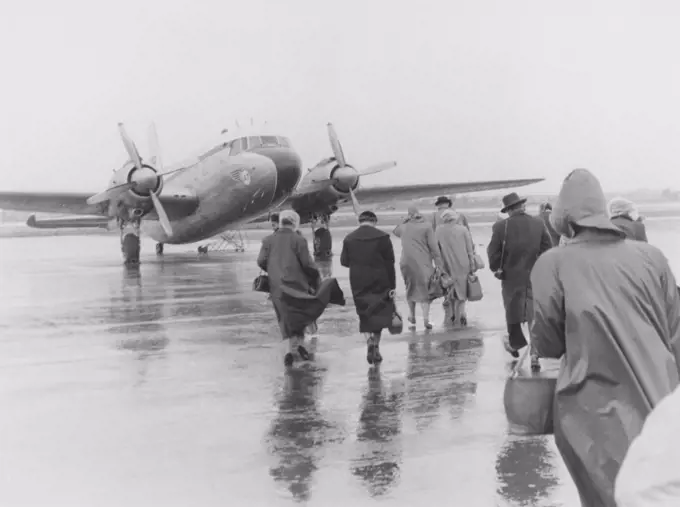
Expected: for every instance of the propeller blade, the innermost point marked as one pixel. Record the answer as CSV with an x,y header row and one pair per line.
x,y
378,168
130,146
355,203
162,215
110,193
335,145
155,148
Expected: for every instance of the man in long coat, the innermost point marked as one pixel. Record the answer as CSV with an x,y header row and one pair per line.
x,y
369,255
516,243
545,210
609,307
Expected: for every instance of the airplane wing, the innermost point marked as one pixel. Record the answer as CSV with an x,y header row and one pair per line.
x,y
177,204
51,202
378,195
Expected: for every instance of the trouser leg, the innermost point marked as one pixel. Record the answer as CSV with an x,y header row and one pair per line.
x,y
373,347
516,336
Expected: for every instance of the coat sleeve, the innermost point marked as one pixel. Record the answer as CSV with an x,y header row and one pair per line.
x,y
546,242
672,293
470,247
388,257
434,249
547,330
495,248
308,266
263,257
344,255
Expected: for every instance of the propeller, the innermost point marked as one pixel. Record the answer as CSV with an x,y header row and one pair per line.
x,y
345,177
144,178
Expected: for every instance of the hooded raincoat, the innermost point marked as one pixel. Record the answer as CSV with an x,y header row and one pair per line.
x,y
609,308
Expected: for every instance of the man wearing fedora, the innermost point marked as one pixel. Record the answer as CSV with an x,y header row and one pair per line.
x,y
516,243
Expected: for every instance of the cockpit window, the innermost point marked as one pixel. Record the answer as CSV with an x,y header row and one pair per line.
x,y
237,145
254,142
284,142
269,141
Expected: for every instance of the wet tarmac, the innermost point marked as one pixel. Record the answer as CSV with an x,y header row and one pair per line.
x,y
164,385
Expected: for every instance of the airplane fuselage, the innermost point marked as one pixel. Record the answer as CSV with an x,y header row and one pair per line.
x,y
230,189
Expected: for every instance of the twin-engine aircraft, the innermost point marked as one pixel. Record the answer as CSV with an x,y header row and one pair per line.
x,y
238,181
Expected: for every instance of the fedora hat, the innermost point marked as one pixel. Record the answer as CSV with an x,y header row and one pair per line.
x,y
511,200
442,200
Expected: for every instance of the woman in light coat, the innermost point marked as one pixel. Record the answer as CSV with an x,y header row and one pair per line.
x,y
419,251
457,253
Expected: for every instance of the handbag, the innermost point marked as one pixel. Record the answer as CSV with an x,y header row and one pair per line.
x,y
261,283
434,286
474,288
528,402
479,262
397,324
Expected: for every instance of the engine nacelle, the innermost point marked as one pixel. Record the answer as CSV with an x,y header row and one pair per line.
x,y
324,187
146,180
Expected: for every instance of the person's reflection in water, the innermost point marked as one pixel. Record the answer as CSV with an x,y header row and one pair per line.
x,y
525,471
444,373
299,431
137,320
378,436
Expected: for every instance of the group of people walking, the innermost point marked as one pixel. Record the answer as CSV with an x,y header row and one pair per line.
x,y
605,302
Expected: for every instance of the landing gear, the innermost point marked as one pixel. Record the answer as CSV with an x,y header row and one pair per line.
x,y
129,241
159,249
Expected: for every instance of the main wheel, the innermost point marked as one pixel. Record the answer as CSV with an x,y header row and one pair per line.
x,y
159,248
130,247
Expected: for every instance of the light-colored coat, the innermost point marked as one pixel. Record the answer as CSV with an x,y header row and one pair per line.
x,y
457,252
610,309
418,252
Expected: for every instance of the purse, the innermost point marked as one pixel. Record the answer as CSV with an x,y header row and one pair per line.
x,y
397,324
434,286
261,283
479,262
474,288
528,402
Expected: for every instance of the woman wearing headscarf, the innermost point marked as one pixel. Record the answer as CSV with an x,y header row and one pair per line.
x,y
285,258
624,215
610,309
457,252
419,251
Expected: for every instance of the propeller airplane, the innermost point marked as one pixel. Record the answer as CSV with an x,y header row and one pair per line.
x,y
240,180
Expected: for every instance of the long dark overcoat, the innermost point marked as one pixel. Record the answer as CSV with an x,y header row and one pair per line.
x,y
634,229
285,257
369,255
526,238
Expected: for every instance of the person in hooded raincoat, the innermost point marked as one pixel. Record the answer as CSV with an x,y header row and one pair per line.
x,y
369,255
624,216
294,282
419,251
457,253
609,308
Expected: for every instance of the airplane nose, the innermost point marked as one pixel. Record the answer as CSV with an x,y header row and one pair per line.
x,y
288,168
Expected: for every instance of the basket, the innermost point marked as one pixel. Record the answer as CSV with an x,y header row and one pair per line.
x,y
529,401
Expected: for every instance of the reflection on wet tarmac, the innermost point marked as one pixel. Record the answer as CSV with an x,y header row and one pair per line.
x,y
378,437
299,431
213,418
525,471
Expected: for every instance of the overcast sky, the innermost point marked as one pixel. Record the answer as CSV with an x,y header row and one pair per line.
x,y
453,91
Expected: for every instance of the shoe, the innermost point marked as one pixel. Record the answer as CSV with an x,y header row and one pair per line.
x,y
304,354
463,321
428,325
288,359
370,354
509,349
535,363
412,321
377,357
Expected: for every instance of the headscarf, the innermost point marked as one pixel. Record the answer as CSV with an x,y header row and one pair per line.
x,y
413,211
450,216
289,216
620,206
